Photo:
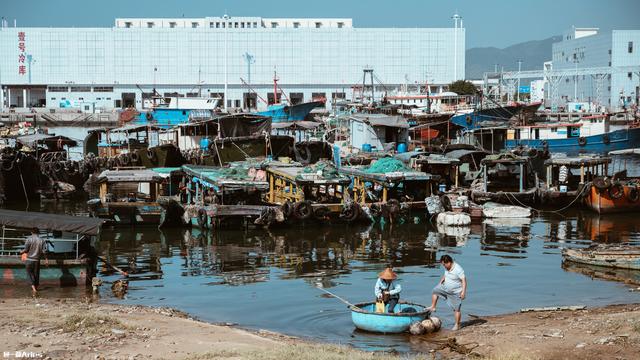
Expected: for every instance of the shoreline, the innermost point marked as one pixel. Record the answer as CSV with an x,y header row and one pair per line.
x,y
77,329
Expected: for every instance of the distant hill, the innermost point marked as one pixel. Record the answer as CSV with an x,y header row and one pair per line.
x,y
532,53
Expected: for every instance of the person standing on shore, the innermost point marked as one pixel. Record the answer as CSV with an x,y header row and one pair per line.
x,y
35,248
452,287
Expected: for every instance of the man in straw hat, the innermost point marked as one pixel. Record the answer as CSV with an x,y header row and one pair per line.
x,y
387,289
452,287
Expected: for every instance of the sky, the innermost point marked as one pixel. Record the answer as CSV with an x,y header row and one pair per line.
x,y
497,23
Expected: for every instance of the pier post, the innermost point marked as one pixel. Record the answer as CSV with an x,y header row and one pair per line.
x,y
484,178
521,177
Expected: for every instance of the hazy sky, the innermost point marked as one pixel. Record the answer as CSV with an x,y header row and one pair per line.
x,y
488,22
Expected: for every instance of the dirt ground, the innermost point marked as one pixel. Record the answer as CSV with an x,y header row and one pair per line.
x,y
74,329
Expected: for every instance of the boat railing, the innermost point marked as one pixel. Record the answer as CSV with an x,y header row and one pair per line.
x,y
12,245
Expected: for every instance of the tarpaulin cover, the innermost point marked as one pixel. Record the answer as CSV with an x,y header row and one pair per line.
x,y
34,139
244,125
28,220
305,125
382,120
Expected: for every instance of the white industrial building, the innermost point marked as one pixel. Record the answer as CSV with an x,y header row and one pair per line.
x,y
582,50
106,68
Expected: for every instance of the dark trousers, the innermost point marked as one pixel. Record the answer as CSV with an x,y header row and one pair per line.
x,y
33,271
393,301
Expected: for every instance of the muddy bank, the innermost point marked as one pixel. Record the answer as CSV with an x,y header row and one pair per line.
x,y
73,329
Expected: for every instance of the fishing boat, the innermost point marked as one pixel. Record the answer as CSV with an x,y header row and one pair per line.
x,y
70,241
507,179
591,134
365,318
610,195
609,255
172,111
287,112
569,178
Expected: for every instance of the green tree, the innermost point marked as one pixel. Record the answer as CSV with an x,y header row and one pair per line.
x,y
462,87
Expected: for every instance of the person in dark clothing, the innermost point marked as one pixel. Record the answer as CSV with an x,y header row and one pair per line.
x,y
35,248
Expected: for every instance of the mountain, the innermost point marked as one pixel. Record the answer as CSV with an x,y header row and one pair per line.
x,y
532,53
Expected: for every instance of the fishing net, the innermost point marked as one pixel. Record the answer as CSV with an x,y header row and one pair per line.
x,y
326,168
385,165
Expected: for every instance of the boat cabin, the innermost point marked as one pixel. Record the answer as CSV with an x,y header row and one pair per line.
x,y
446,168
108,142
377,132
586,126
506,173
567,173
47,147
128,196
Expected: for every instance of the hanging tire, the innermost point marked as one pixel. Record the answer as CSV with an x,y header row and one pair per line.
x,y
321,212
446,203
601,183
350,213
153,157
633,194
303,210
202,218
605,139
287,209
58,167
125,160
134,158
616,191
149,116
582,141
532,153
7,164
545,144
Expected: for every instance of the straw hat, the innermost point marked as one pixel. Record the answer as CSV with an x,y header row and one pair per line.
x,y
388,274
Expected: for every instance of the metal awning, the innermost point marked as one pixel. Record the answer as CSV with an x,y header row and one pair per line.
x,y
142,175
46,139
382,120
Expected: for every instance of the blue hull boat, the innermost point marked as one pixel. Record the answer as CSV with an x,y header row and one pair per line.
x,y
283,113
596,144
365,318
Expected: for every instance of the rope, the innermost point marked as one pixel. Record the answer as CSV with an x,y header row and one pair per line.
x,y
578,196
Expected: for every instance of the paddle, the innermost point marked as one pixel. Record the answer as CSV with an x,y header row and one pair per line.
x,y
122,272
336,296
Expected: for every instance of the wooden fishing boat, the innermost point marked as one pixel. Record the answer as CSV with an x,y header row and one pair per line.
x,y
568,176
365,318
507,179
616,256
613,195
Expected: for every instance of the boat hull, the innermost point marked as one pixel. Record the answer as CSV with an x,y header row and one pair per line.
x,y
56,273
365,318
602,202
598,144
298,112
616,259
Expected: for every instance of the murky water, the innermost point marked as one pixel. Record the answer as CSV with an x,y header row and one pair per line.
x,y
267,278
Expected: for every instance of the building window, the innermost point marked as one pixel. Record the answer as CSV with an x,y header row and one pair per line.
x,y
242,25
318,96
224,25
150,25
127,24
630,49
194,25
235,25
53,98
296,25
103,89
58,88
630,76
217,25
255,25
172,24
211,25
81,98
81,89
318,25
340,25
274,25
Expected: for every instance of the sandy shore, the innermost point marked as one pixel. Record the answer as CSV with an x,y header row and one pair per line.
x,y
73,329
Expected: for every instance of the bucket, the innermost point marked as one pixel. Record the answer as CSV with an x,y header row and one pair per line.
x,y
366,147
563,188
442,187
402,148
204,144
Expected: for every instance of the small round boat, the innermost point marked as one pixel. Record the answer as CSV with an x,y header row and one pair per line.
x,y
364,317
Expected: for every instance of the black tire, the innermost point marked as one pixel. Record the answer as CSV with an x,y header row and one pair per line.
x,y
8,167
321,212
633,195
375,210
545,144
125,159
605,139
350,213
532,153
153,157
287,209
58,167
446,203
303,210
616,191
202,218
582,141
393,207
134,158
303,154
149,116
601,183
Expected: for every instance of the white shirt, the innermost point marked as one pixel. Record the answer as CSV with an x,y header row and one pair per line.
x,y
453,278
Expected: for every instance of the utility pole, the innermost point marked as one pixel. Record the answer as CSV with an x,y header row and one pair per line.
x,y
455,18
226,74
519,69
250,59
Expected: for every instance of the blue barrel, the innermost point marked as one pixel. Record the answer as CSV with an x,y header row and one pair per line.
x,y
442,187
204,144
402,148
366,147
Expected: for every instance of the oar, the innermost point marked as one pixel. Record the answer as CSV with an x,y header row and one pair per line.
x,y
122,272
336,296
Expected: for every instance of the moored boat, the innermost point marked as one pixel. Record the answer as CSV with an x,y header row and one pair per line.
x,y
616,256
611,195
365,318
